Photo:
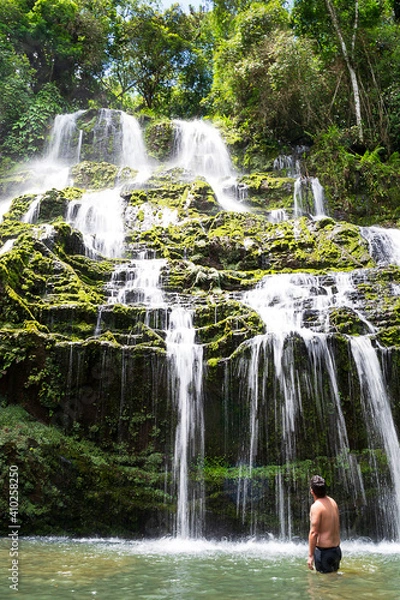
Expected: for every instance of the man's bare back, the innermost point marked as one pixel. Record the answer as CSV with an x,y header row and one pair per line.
x,y
324,536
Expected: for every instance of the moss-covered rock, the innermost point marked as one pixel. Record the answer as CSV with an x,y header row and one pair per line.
x,y
70,486
159,137
98,176
93,367
268,191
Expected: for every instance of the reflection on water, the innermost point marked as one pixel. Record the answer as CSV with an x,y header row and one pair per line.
x,y
174,569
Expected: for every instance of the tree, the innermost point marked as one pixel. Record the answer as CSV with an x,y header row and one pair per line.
x,y
348,56
64,40
159,57
232,93
342,28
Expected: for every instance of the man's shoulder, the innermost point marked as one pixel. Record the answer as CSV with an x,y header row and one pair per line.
x,y
317,506
321,503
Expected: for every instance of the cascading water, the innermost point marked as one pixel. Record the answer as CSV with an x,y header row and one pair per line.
x,y
378,416
290,165
134,153
384,244
32,215
138,282
201,150
186,379
308,197
7,246
298,306
53,170
65,139
293,363
308,194
278,215
99,215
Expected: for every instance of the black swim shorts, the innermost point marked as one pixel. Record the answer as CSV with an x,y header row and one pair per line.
x,y
327,560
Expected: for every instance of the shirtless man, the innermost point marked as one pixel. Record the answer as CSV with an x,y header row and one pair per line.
x,y
324,537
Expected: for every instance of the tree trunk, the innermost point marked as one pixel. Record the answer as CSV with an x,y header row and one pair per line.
x,y
348,61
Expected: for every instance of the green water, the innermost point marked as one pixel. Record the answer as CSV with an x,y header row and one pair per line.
x,y
59,568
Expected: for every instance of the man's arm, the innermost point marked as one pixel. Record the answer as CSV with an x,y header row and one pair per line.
x,y
315,518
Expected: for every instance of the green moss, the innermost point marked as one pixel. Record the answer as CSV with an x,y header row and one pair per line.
x,y
19,206
159,137
100,175
268,185
71,486
390,336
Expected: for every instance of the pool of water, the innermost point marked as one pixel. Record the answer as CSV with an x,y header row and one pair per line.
x,y
173,569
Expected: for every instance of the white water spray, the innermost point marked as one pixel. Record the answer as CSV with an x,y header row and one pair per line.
x,y
379,418
134,152
201,150
65,139
298,304
138,282
99,216
384,244
186,378
33,212
308,197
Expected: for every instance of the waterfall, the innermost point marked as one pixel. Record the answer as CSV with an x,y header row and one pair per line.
x,y
138,282
319,198
65,139
381,427
200,150
134,153
99,216
297,307
32,214
5,204
7,246
384,244
278,215
283,508
107,136
292,365
186,377
308,197
308,194
116,138
289,164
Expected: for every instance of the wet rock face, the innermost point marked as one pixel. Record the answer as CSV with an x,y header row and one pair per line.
x,y
84,348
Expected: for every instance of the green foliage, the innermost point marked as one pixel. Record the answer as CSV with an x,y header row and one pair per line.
x,y
29,130
239,52
68,485
161,57
16,78
365,186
